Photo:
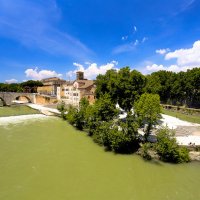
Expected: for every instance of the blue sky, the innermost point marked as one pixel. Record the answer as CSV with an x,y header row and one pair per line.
x,y
41,38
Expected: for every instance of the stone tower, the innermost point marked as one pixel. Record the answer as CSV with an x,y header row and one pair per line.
x,y
79,75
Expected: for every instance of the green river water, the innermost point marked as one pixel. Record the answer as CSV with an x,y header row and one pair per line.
x,y
47,159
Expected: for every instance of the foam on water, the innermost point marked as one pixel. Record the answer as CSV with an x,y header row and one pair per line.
x,y
40,107
20,119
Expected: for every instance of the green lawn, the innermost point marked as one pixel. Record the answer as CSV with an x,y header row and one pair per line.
x,y
185,117
17,110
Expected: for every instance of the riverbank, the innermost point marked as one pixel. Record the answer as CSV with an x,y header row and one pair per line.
x,y
193,118
186,133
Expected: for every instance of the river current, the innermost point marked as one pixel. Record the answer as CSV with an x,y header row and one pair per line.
x,y
46,159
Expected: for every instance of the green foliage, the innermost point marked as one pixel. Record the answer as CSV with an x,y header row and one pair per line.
x,y
107,84
32,83
173,88
77,116
80,116
71,115
115,137
102,110
145,151
147,110
19,87
121,141
123,87
13,87
62,108
168,149
102,134
130,86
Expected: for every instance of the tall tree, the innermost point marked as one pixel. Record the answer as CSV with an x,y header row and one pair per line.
x,y
147,110
130,86
107,84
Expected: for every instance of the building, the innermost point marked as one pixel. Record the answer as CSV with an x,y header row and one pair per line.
x,y
72,92
50,86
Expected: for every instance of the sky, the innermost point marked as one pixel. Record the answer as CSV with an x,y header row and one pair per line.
x,y
40,39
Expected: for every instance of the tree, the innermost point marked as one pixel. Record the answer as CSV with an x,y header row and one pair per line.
x,y
161,82
147,110
71,115
116,137
168,149
124,86
192,87
62,108
103,110
107,84
80,117
31,85
130,86
153,84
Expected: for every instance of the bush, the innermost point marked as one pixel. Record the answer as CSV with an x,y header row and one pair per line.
x,y
62,108
102,133
168,149
121,142
71,115
145,151
115,137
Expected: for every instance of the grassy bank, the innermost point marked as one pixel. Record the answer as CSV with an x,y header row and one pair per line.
x,y
17,110
185,117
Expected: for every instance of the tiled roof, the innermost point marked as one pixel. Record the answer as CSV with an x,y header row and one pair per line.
x,y
86,83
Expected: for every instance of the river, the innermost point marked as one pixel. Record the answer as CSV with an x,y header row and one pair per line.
x,y
46,159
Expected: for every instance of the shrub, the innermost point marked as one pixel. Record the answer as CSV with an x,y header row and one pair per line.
x,y
102,134
71,115
62,108
145,151
168,149
120,142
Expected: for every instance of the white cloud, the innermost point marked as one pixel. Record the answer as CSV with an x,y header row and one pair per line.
x,y
38,75
144,39
78,65
162,51
135,29
128,46
173,68
154,67
136,42
11,81
125,37
186,57
93,69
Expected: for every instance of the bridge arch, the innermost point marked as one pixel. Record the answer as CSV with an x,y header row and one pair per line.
x,y
3,101
23,98
10,97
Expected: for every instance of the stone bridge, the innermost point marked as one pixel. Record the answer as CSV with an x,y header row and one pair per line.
x,y
9,97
